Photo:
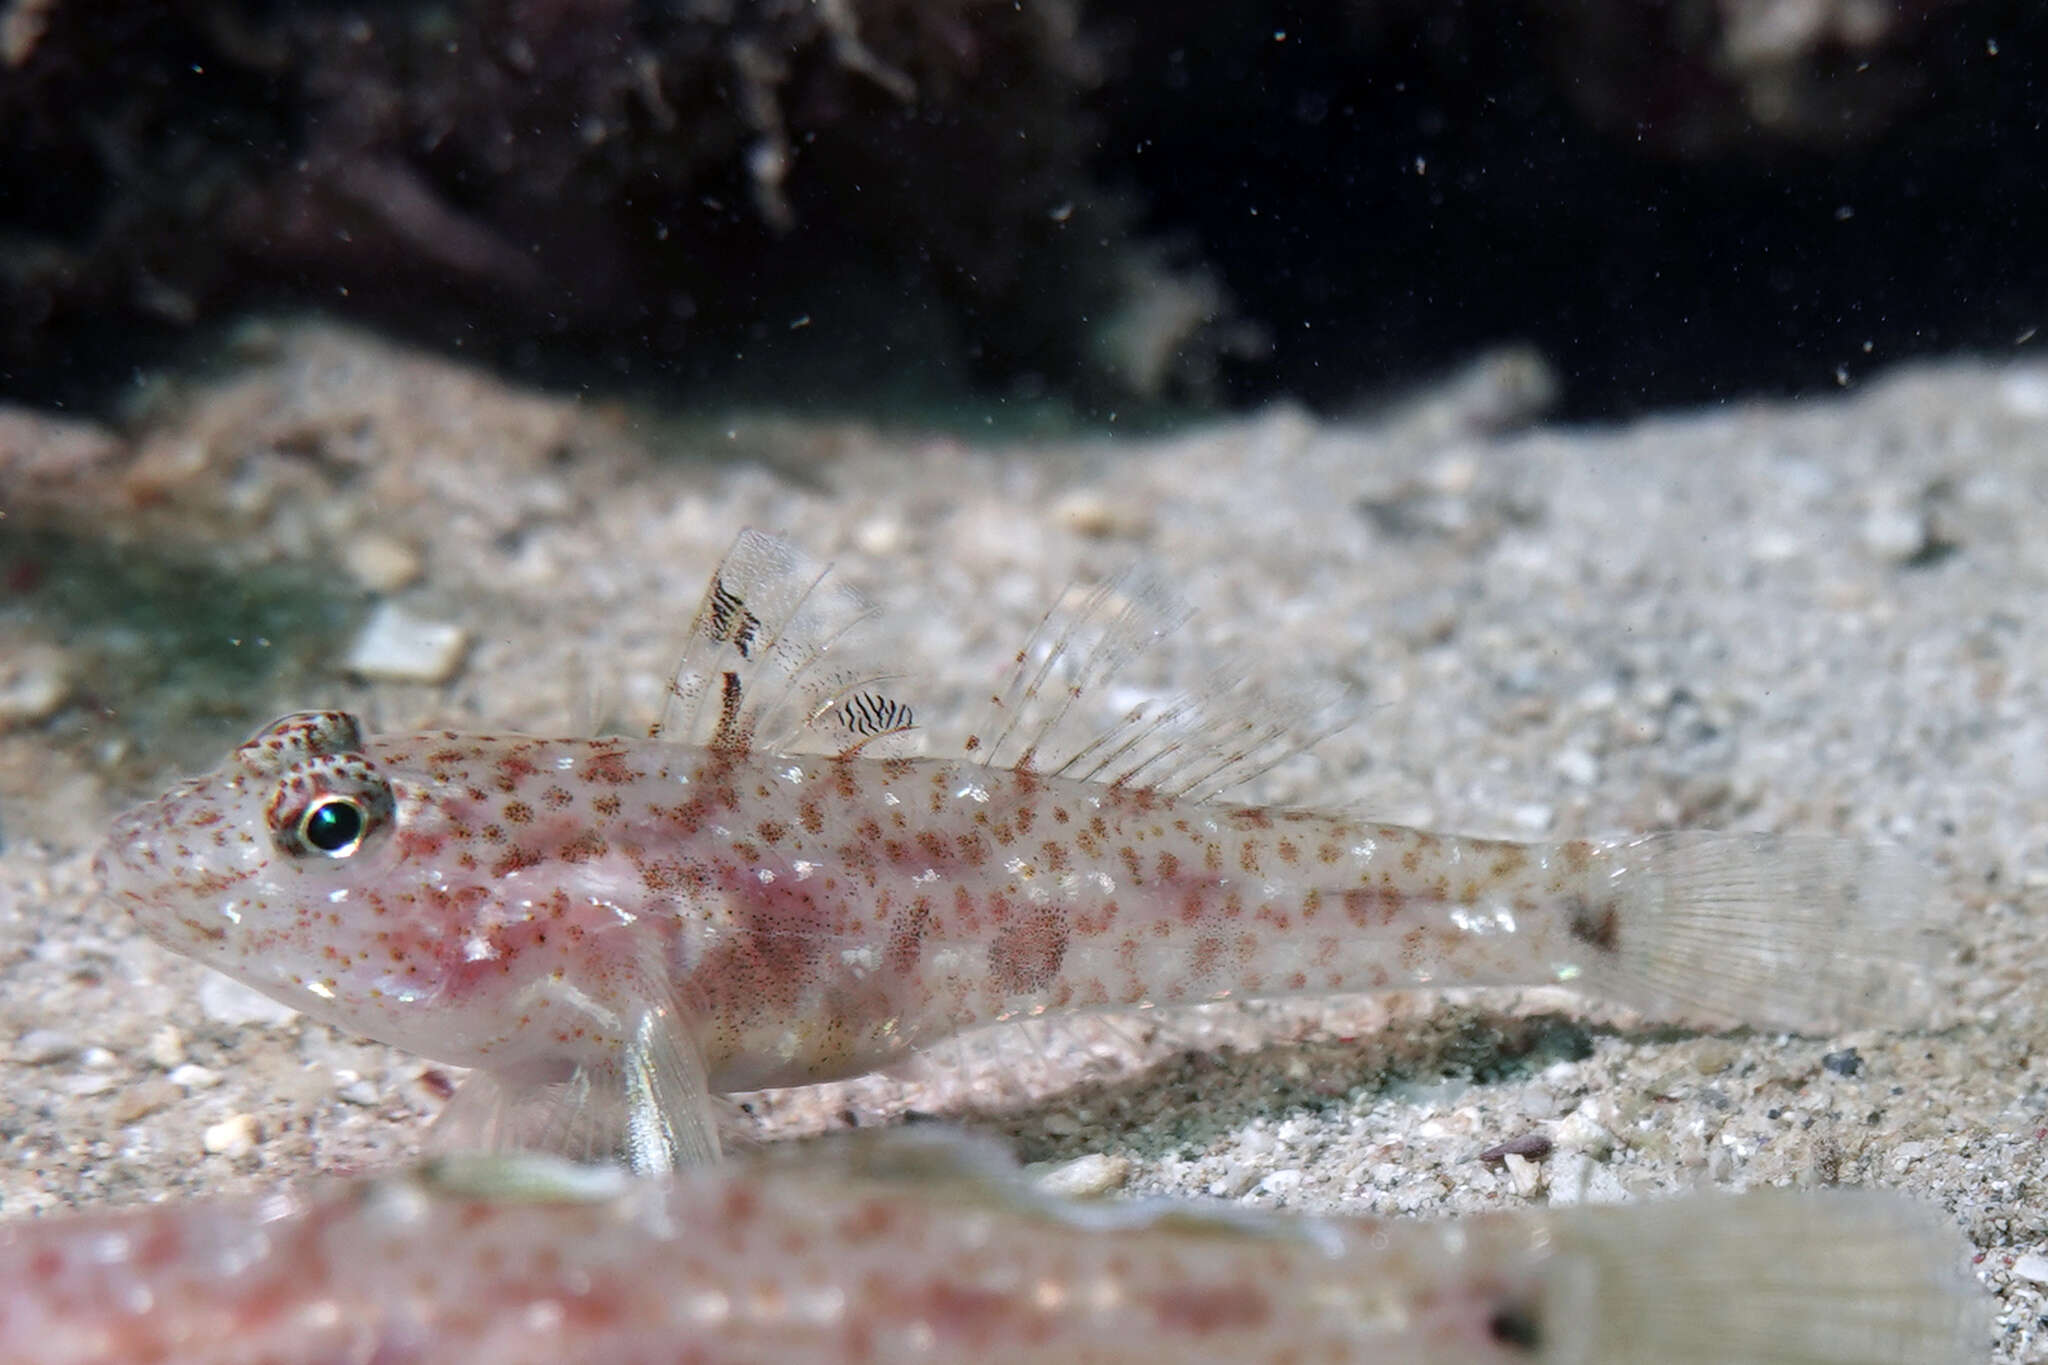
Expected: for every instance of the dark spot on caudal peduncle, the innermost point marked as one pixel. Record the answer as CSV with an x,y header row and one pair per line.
x,y
1516,1325
1598,925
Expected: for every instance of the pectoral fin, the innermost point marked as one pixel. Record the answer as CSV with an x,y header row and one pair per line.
x,y
645,1106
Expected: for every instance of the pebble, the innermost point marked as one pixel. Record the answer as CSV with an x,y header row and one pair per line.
x,y
234,1136
1089,512
396,646
1576,1178
41,1046
2025,393
1847,1062
2032,1266
194,1077
1526,1174
1284,1181
381,563
1237,1178
34,681
1895,534
166,1047
1580,1132
137,1101
360,1092
1087,1176
227,1001
1577,767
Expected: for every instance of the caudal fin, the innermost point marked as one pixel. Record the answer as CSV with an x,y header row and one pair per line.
x,y
1772,1277
1806,933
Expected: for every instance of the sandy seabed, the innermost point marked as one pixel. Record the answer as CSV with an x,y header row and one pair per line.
x,y
1814,616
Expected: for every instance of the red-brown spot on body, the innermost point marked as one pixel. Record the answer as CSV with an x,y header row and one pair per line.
x,y
906,937
556,797
517,813
1132,870
413,843
608,766
1203,1310
1026,954
512,770
515,859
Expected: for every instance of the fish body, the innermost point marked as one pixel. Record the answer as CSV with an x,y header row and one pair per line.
x,y
917,1248
610,929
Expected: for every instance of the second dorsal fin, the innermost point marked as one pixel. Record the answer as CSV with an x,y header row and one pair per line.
x,y
1192,744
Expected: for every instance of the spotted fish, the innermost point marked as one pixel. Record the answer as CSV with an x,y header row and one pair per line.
x,y
915,1247
770,892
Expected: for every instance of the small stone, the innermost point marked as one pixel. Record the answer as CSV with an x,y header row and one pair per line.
x,y
1060,1124
1282,1182
192,1076
1235,1180
1087,1176
1577,767
167,1047
34,681
1526,1174
381,563
1895,534
1580,1132
1090,512
41,1046
395,646
2032,1266
137,1101
1533,817
227,1001
2025,393
879,536
359,1092
1569,1174
1527,1146
234,1136
1847,1062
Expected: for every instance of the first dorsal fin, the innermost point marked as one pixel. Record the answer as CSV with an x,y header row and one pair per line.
x,y
1193,744
765,666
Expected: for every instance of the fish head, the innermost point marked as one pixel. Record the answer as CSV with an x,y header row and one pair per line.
x,y
284,868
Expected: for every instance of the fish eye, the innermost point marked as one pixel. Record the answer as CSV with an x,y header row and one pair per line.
x,y
334,825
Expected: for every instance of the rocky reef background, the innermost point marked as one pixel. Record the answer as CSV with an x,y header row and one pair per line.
x,y
1107,202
